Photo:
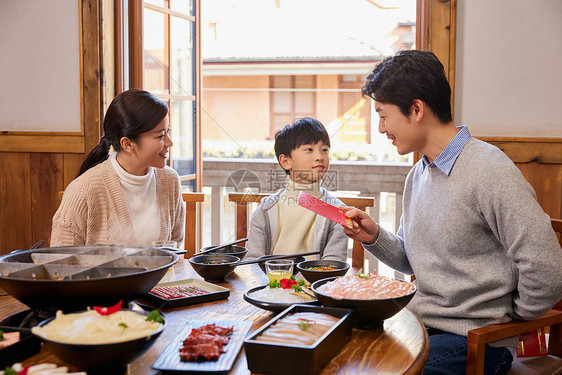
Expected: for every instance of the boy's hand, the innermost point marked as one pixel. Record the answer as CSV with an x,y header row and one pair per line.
x,y
364,227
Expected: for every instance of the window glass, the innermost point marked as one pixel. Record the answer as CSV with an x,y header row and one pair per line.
x,y
155,39
182,6
160,3
181,56
181,122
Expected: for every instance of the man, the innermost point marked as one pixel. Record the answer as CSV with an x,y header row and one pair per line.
x,y
482,249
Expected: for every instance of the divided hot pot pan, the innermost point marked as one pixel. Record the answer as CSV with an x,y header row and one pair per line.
x,y
72,278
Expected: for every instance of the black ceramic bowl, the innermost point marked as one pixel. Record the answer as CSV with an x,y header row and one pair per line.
x,y
214,268
313,275
296,259
102,358
367,314
237,251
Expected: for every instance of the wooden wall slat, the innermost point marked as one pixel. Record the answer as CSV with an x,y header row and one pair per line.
x,y
71,165
46,182
15,214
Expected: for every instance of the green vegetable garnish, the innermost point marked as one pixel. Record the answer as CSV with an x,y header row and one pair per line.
x,y
1,335
297,288
10,371
124,325
363,276
304,324
155,317
300,282
274,284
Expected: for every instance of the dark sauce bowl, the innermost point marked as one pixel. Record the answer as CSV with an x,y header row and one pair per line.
x,y
237,251
214,268
311,276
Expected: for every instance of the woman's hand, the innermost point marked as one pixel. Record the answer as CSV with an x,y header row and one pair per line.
x,y
364,227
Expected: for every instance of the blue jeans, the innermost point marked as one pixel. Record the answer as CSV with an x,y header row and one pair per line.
x,y
447,355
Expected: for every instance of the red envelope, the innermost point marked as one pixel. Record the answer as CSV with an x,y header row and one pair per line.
x,y
532,344
325,209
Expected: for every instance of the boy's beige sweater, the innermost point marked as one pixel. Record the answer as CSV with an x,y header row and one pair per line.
x,y
93,209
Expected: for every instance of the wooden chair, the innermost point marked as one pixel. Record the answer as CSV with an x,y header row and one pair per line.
x,y
191,218
242,200
192,201
478,338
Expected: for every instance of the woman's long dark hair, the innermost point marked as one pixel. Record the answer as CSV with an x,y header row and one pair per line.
x,y
130,114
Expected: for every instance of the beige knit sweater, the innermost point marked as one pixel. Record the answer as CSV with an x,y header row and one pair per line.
x,y
93,209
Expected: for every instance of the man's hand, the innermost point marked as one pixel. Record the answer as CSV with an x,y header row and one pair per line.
x,y
364,227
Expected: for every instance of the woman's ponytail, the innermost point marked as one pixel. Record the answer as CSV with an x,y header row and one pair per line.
x,y
96,156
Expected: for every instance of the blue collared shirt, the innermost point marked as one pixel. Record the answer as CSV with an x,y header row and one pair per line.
x,y
449,155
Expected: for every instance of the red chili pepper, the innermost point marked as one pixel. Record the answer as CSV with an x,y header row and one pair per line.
x,y
108,310
24,371
287,283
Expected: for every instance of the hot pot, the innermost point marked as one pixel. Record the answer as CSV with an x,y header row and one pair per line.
x,y
72,278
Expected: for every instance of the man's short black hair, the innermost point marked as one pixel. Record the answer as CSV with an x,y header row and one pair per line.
x,y
302,131
410,75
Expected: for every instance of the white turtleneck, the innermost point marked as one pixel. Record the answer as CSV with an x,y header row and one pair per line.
x,y
140,196
295,234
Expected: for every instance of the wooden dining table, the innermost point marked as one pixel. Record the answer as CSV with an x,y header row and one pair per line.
x,y
400,347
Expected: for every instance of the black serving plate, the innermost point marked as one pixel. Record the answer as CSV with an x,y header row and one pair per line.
x,y
169,360
276,307
287,359
28,345
215,292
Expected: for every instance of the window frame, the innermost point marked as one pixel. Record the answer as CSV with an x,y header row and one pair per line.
x,y
136,17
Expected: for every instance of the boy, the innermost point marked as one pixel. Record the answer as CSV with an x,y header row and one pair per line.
x,y
482,249
279,225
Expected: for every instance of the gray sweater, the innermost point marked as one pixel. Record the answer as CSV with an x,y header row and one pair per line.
x,y
482,249
329,238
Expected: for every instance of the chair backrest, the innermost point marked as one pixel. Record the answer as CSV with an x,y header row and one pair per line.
x,y
192,201
242,200
191,219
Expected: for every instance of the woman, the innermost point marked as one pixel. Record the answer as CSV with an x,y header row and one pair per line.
x,y
129,197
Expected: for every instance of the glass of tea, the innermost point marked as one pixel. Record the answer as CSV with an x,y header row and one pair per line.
x,y
279,269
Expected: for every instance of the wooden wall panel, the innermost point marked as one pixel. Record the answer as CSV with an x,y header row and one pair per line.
x,y
46,182
15,202
72,163
546,179
540,161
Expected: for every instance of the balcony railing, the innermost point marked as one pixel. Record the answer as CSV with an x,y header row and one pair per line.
x,y
384,182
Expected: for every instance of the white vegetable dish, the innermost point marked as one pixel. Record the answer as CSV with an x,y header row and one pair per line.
x,y
92,328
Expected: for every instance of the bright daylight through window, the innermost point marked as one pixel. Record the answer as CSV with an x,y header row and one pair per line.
x,y
267,62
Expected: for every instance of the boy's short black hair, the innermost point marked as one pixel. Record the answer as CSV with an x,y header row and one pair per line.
x,y
410,75
302,131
